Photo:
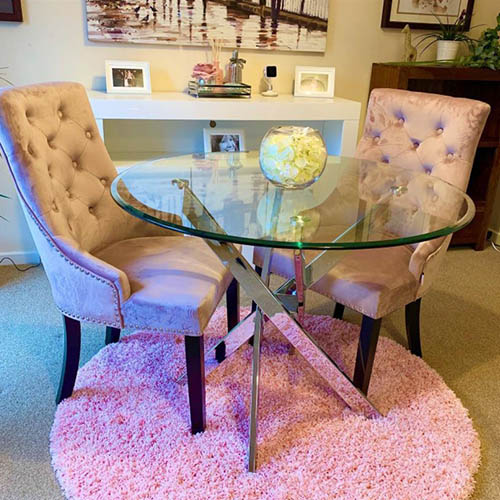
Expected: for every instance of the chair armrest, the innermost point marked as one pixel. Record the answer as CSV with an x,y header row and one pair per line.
x,y
83,286
426,260
95,266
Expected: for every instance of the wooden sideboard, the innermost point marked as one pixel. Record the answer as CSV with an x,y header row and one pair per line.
x,y
474,83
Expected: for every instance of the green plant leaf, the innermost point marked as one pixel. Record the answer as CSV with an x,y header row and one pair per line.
x,y
485,52
435,36
429,45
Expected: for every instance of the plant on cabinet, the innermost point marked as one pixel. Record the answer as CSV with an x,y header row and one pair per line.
x,y
448,38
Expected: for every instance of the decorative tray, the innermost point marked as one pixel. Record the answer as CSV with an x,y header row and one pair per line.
x,y
198,89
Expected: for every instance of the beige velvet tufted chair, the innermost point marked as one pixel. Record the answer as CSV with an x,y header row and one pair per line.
x,y
104,266
430,133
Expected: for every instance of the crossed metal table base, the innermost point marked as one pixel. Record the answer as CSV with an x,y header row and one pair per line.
x,y
280,308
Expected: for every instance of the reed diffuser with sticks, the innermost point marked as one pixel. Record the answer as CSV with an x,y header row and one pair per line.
x,y
216,46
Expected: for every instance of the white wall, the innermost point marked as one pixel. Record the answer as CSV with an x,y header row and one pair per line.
x,y
15,239
51,44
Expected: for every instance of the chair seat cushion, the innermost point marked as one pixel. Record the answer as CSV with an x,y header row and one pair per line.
x,y
374,282
176,282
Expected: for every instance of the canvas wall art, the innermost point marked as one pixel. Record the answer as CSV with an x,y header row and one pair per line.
x,y
299,25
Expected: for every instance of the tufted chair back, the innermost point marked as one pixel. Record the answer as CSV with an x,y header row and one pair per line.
x,y
435,134
60,164
63,173
430,133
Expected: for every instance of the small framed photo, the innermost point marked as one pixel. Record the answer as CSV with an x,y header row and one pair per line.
x,y
421,14
311,81
11,10
223,140
128,77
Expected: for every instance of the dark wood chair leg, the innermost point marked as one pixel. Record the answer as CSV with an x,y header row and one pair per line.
x,y
368,338
195,365
112,335
338,312
72,343
233,305
412,316
220,352
233,316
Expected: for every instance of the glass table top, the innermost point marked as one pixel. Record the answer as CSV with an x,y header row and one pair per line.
x,y
355,203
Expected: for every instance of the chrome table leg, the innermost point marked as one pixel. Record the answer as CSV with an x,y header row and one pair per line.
x,y
270,305
298,259
257,339
254,405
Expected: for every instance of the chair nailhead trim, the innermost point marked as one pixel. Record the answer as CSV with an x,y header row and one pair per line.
x,y
116,306
161,330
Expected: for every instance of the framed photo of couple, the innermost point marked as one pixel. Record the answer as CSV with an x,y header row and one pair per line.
x,y
128,77
421,14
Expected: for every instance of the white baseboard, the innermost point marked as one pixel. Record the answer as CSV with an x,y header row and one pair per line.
x,y
20,258
495,237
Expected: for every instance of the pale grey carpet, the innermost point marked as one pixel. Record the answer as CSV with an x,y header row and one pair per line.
x,y
461,340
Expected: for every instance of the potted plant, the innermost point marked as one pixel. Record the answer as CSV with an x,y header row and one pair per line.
x,y
448,38
485,53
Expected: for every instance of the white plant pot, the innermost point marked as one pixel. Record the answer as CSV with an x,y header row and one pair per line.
x,y
447,50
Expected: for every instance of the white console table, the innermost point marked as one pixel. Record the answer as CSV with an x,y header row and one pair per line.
x,y
136,127
173,122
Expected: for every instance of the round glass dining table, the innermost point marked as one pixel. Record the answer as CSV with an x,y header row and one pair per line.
x,y
354,204
225,199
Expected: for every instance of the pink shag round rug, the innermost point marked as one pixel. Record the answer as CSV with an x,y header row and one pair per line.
x,y
124,434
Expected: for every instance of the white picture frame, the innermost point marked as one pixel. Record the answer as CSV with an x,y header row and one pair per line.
x,y
128,77
314,81
219,140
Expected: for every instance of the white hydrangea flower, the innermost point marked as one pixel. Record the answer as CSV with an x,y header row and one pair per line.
x,y
293,155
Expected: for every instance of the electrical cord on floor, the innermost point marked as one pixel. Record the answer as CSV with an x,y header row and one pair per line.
x,y
32,266
495,247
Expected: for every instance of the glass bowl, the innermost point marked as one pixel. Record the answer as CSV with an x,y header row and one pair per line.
x,y
293,157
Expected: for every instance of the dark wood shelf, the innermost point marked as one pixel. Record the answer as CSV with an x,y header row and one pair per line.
x,y
443,72
473,83
489,143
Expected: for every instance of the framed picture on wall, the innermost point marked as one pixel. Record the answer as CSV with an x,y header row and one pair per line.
x,y
128,77
421,14
10,10
311,81
223,140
